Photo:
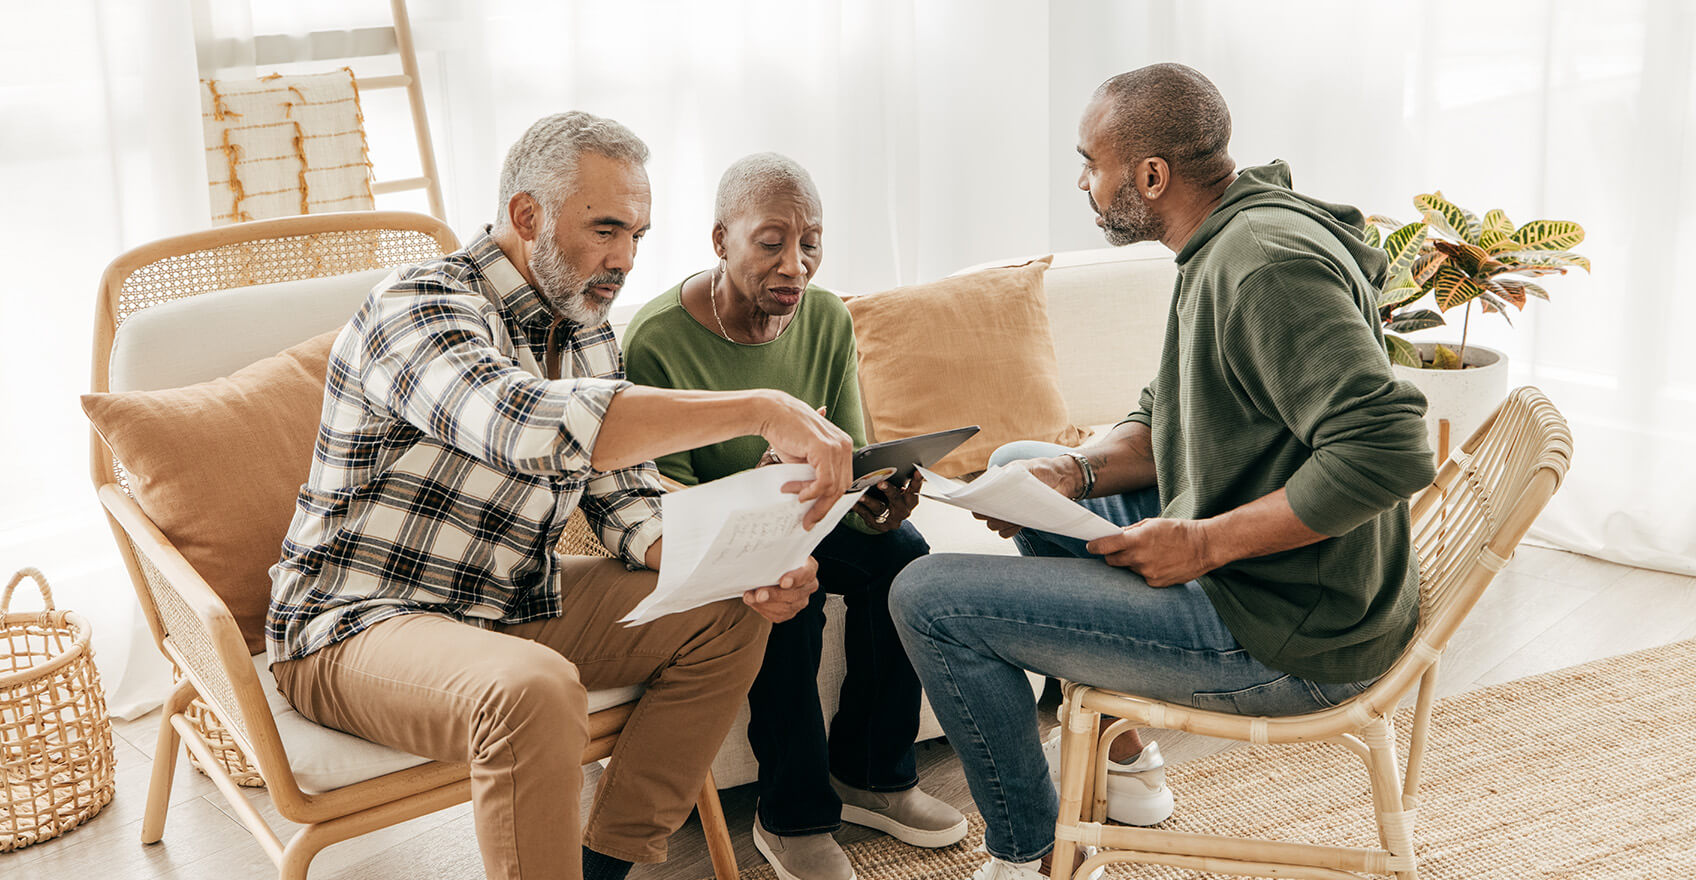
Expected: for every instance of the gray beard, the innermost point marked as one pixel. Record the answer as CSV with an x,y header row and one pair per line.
x,y
562,288
1128,219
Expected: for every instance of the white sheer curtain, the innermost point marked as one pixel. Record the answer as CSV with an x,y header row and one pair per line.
x,y
941,133
904,111
1558,109
100,151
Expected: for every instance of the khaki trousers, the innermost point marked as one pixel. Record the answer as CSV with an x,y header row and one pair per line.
x,y
512,703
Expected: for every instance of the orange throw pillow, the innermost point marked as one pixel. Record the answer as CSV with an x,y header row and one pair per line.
x,y
217,466
968,350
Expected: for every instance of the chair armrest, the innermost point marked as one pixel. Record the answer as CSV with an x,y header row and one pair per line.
x,y
201,635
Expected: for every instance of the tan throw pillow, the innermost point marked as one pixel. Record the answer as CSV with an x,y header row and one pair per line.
x,y
969,350
217,467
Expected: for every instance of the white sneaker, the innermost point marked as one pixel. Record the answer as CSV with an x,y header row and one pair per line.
x,y
1136,792
996,869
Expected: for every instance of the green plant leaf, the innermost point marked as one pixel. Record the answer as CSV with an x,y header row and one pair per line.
x,y
1381,220
1521,260
1402,352
1493,305
1469,258
1447,217
1418,319
1548,235
1496,221
1444,358
1522,288
1425,267
1474,227
1404,246
1370,236
1396,297
1500,291
1454,287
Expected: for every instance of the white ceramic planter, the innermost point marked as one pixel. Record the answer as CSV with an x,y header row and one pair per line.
x,y
1465,398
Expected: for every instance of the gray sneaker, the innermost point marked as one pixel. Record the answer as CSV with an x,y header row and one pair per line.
x,y
803,856
910,816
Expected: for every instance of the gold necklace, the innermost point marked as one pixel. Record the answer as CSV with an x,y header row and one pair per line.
x,y
712,298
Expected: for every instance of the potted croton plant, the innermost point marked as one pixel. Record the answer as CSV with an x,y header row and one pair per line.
x,y
1449,259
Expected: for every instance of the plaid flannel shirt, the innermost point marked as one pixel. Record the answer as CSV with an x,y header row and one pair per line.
x,y
444,472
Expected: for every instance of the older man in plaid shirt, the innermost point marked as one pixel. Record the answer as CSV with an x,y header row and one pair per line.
x,y
472,404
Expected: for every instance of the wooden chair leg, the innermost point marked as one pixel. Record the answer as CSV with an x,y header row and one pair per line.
x,y
165,751
1395,823
1078,727
297,858
716,830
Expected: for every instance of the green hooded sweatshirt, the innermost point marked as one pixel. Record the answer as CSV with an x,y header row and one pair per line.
x,y
1274,376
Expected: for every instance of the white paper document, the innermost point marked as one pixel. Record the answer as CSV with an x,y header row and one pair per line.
x,y
731,535
1017,496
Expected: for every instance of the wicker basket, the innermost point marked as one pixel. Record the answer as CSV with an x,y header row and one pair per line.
x,y
55,739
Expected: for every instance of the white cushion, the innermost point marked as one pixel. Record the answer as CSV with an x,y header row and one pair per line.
x,y
1107,308
214,334
324,759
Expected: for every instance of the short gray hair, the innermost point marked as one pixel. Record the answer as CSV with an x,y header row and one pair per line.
x,y
1173,112
543,162
752,178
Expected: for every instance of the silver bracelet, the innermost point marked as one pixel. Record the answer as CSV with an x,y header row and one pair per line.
x,y
1088,472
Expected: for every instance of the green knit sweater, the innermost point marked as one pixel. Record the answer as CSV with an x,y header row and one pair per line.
x,y
812,359
1274,376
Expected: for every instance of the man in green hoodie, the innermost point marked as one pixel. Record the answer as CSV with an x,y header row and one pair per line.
x,y
1264,565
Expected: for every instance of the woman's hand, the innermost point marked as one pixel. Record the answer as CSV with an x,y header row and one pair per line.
x,y
887,508
786,599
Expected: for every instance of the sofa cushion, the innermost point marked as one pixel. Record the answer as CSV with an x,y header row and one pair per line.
x,y
217,466
1107,308
967,350
324,758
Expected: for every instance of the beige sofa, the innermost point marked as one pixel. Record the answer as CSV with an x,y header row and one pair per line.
x,y
1107,308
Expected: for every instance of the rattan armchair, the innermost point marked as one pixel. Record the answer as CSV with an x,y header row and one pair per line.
x,y
1465,527
194,628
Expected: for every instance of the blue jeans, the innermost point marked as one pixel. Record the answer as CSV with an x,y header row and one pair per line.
x,y
973,625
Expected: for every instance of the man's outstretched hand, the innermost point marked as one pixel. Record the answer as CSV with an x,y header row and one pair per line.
x,y
797,432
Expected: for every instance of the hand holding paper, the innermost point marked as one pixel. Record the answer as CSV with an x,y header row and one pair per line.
x,y
1017,496
732,535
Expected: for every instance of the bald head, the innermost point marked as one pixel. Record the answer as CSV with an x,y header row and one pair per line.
x,y
1172,112
751,180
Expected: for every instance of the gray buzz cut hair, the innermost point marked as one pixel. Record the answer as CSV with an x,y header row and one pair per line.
x,y
1174,112
543,162
754,177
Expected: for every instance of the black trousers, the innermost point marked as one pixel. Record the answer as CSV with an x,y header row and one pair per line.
x,y
870,743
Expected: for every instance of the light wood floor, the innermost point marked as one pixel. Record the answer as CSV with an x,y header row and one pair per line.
x,y
1548,610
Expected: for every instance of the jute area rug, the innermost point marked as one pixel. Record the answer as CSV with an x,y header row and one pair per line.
x,y
1587,772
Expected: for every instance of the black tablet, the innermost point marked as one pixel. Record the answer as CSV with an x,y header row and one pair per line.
x,y
908,452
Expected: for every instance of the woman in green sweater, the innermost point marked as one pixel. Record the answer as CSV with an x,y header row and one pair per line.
x,y
754,321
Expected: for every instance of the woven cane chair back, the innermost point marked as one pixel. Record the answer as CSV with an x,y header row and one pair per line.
x,y
1464,525
1467,523
189,623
